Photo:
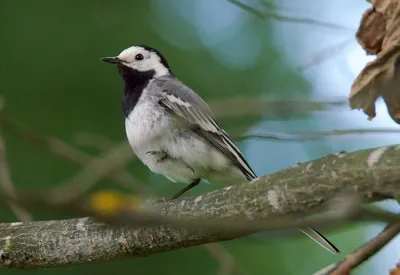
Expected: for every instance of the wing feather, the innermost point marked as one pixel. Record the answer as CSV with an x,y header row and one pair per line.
x,y
180,100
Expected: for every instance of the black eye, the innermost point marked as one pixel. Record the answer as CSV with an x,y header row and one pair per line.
x,y
139,56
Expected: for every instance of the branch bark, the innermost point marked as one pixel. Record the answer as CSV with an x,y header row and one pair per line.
x,y
374,174
363,253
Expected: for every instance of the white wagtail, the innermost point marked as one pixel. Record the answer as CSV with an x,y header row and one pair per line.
x,y
174,132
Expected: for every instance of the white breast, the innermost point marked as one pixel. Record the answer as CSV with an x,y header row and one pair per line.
x,y
149,130
144,126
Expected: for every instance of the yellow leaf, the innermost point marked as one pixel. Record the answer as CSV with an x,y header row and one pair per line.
x,y
107,202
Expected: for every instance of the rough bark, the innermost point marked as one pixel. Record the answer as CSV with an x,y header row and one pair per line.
x,y
374,174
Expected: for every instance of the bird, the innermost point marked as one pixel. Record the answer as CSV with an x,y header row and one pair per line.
x,y
174,132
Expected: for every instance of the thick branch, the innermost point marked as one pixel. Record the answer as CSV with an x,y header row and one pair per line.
x,y
374,174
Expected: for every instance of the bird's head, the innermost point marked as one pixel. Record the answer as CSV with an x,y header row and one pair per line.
x,y
140,59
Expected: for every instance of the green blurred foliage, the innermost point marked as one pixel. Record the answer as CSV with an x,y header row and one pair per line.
x,y
53,81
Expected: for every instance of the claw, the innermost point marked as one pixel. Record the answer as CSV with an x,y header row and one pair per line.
x,y
163,157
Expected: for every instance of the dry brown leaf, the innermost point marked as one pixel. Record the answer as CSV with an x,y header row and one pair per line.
x,y
379,33
396,270
371,32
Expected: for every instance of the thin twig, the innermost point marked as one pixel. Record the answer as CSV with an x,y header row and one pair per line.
x,y
363,253
313,135
8,186
256,105
69,152
279,17
95,141
94,171
324,54
104,144
227,264
6,181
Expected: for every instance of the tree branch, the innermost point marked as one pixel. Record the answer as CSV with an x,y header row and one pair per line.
x,y
363,253
279,17
216,250
373,174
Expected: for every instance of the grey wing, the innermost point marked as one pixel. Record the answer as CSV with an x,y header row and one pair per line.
x,y
180,100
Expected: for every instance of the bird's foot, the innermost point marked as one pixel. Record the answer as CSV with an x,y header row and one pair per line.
x,y
162,200
160,154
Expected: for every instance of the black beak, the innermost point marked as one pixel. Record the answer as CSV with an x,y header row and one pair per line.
x,y
113,60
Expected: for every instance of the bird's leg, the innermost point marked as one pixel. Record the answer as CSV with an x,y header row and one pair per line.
x,y
187,187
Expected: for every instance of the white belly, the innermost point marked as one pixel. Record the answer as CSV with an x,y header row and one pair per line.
x,y
149,130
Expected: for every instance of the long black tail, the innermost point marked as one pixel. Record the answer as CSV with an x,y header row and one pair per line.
x,y
320,239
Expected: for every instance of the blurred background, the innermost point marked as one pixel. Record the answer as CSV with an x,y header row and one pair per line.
x,y
249,64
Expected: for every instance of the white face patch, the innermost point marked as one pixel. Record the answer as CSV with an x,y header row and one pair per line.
x,y
150,61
